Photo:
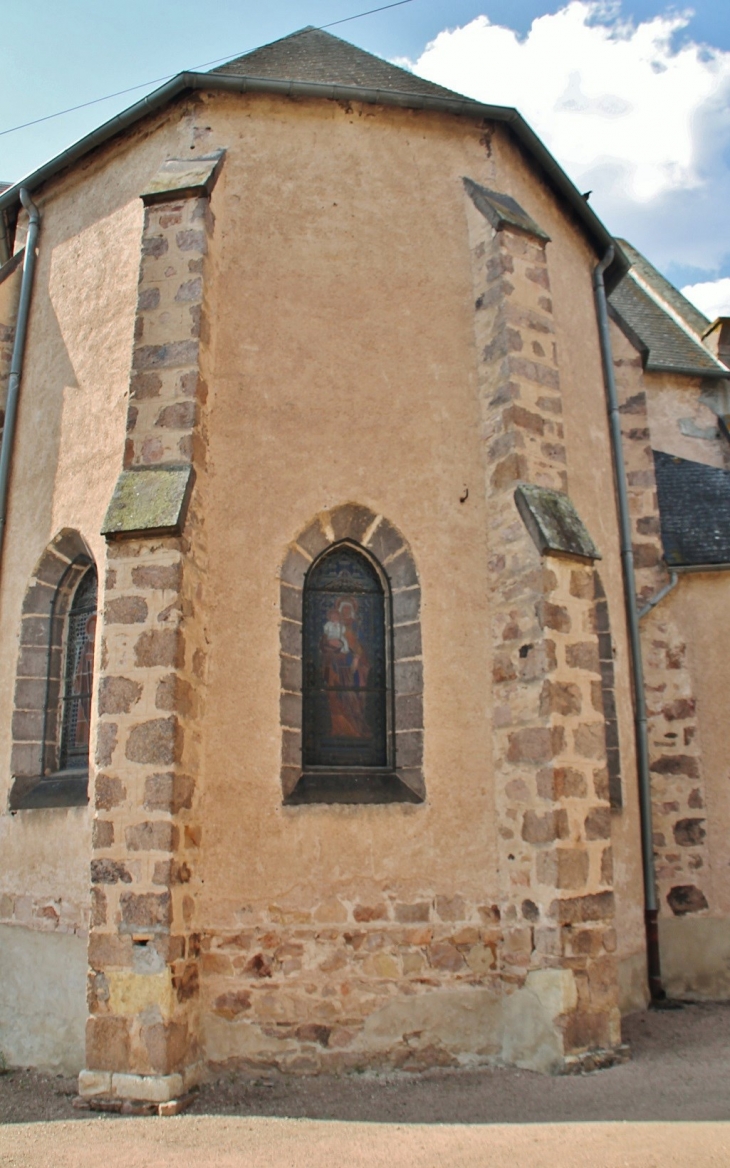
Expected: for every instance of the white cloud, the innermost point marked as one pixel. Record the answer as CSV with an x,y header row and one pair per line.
x,y
621,110
711,297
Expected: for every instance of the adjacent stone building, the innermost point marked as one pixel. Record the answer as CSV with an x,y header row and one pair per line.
x,y
343,774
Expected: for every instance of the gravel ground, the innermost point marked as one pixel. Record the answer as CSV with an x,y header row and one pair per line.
x,y
679,1071
234,1141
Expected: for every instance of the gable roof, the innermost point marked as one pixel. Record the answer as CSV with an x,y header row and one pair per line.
x,y
694,508
660,322
302,60
314,55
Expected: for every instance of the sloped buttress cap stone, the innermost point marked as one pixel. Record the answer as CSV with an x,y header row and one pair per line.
x,y
502,210
178,177
149,500
553,522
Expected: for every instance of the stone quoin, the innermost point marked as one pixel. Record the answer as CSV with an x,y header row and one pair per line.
x,y
339,770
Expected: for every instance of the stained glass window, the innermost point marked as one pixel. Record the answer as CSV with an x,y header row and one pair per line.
x,y
345,663
79,675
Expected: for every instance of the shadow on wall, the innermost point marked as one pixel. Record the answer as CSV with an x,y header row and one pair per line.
x,y
42,998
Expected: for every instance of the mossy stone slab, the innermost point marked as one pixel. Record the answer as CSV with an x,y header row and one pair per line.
x,y
149,501
180,178
553,522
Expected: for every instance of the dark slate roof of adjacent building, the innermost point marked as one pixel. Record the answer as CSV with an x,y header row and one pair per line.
x,y
694,507
660,322
664,345
313,55
696,320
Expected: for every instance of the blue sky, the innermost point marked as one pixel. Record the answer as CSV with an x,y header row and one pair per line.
x,y
676,210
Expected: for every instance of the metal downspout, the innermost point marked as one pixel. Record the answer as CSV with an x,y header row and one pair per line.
x,y
16,362
651,909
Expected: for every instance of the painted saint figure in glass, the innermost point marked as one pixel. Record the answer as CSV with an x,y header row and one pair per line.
x,y
345,669
344,663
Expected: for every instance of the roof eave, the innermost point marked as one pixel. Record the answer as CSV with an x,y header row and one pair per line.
x,y
685,371
10,198
712,566
235,83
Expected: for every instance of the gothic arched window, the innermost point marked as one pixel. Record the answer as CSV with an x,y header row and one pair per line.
x,y
78,676
52,712
351,663
346,690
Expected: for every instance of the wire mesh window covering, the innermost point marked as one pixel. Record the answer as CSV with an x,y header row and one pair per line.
x,y
346,663
79,675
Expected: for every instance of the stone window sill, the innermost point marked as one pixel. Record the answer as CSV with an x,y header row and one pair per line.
x,y
67,788
351,786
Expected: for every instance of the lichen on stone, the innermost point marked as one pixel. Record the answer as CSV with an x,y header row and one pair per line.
x,y
553,522
152,499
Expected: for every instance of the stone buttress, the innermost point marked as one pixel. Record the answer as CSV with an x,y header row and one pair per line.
x,y
550,641
143,949
683,869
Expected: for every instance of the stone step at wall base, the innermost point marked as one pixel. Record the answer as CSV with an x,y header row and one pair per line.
x,y
116,1106
96,1085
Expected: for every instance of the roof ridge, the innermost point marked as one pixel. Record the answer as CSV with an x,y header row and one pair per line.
x,y
289,36
315,54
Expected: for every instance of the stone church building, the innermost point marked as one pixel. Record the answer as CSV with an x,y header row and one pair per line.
x,y
363,626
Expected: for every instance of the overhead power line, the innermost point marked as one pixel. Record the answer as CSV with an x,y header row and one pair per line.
x,y
369,12
157,80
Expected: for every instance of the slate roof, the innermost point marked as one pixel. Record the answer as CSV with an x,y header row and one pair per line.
x,y
645,306
696,320
313,55
694,509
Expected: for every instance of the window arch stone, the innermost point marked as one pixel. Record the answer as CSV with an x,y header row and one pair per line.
x,y
383,544
34,759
